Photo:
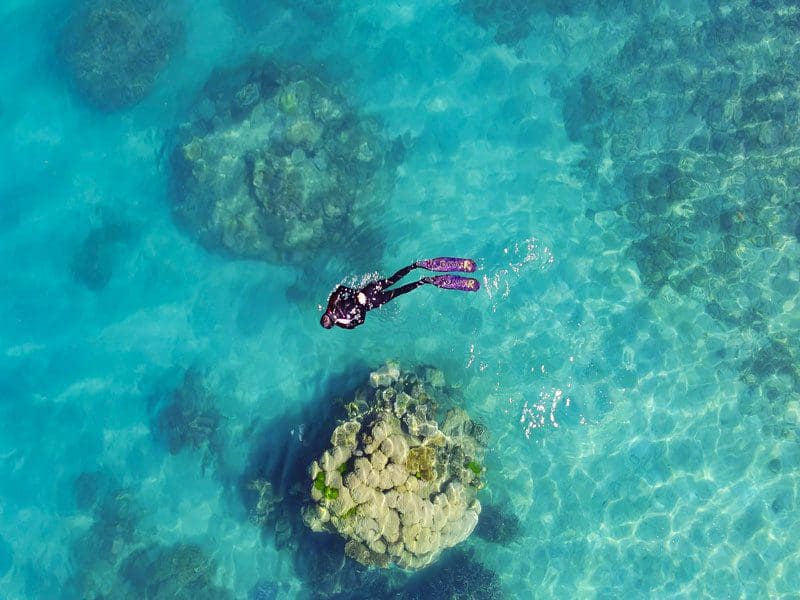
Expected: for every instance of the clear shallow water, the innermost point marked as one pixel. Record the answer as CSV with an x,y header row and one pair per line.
x,y
627,186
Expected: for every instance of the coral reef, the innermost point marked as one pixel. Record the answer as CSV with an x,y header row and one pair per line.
x,y
460,577
191,419
274,164
498,524
511,21
115,49
113,530
269,510
114,558
265,502
89,487
693,141
178,571
395,484
267,590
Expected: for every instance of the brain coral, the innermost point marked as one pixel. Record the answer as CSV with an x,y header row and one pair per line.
x,y
396,484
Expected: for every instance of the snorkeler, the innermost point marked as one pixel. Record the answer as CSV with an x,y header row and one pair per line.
x,y
347,307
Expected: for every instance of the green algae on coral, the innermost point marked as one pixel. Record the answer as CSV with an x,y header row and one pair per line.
x,y
475,467
328,492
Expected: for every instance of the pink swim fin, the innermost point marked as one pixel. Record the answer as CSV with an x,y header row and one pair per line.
x,y
446,263
454,282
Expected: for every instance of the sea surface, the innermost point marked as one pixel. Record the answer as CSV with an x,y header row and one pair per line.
x,y
625,174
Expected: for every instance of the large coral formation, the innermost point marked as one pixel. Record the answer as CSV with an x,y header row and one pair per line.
x,y
114,50
274,164
396,484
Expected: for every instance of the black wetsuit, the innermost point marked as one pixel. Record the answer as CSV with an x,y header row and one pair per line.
x,y
348,307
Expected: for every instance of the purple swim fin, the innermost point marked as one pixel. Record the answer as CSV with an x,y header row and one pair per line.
x,y
454,282
446,263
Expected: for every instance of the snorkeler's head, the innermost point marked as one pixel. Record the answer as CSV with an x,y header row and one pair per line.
x,y
326,321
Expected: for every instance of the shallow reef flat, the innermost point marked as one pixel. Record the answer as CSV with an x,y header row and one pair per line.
x,y
692,134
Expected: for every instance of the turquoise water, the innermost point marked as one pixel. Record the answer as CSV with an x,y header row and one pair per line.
x,y
628,187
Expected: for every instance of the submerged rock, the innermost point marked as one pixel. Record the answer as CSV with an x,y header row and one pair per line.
x,y
274,164
114,50
396,484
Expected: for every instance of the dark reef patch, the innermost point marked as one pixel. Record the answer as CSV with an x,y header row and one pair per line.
x,y
179,571
114,50
498,524
115,557
90,487
186,417
459,577
93,263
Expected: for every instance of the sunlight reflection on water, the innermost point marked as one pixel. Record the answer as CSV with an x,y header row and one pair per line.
x,y
530,254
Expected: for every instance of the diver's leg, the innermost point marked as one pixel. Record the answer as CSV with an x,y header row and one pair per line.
x,y
397,276
380,297
374,288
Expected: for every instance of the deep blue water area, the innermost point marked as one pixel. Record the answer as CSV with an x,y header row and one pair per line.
x,y
184,183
